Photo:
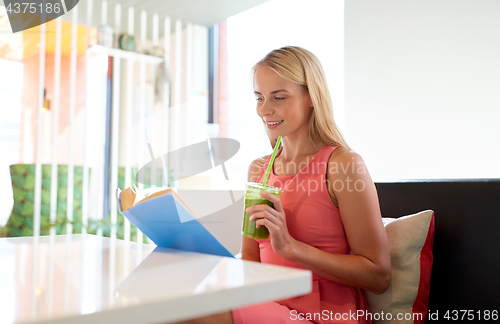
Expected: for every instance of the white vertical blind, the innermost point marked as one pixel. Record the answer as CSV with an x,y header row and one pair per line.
x,y
38,163
130,27
130,106
55,125
54,166
67,273
72,108
156,28
115,143
175,122
177,82
189,82
115,129
129,138
85,182
153,136
104,12
142,104
112,272
51,272
99,215
166,40
166,100
129,122
153,131
118,18
136,97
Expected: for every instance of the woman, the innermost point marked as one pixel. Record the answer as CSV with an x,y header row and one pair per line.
x,y
328,217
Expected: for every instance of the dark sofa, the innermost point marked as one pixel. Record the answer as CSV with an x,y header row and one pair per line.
x,y
466,270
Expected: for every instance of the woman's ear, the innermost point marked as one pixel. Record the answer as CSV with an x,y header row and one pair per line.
x,y
309,100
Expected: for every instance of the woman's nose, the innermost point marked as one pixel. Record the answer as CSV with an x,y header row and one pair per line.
x,y
265,109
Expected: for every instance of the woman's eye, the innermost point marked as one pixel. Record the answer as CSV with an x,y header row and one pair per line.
x,y
259,99
279,98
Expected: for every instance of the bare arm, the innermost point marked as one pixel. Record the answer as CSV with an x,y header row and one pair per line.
x,y
369,266
250,247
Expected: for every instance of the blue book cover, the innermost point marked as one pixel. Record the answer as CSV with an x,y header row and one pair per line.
x,y
169,223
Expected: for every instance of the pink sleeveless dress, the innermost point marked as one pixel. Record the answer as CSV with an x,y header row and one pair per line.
x,y
312,218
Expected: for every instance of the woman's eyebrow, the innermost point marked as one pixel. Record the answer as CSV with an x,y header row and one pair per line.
x,y
275,91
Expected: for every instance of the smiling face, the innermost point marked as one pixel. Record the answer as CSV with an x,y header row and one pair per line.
x,y
284,106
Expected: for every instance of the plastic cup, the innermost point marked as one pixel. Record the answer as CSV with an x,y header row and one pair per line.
x,y
252,197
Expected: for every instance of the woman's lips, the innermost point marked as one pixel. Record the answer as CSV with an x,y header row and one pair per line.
x,y
272,126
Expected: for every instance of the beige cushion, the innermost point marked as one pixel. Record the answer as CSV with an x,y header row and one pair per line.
x,y
410,240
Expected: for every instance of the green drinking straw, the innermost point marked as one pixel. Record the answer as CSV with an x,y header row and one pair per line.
x,y
272,160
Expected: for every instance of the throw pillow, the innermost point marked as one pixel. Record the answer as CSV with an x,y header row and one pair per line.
x,y
406,299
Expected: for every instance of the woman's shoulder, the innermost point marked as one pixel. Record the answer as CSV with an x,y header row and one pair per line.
x,y
256,167
344,155
343,164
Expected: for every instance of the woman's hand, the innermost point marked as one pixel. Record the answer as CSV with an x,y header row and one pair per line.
x,y
275,221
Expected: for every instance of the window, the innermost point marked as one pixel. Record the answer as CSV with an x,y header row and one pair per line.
x,y
11,83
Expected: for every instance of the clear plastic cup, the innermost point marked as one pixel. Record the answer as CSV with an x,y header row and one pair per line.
x,y
252,197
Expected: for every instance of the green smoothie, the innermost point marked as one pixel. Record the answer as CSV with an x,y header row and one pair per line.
x,y
252,197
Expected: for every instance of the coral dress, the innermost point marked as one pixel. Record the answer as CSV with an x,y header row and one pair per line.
x,y
312,218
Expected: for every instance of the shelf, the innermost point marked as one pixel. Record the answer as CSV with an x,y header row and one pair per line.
x,y
118,53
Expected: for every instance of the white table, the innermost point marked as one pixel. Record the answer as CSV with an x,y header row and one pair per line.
x,y
92,279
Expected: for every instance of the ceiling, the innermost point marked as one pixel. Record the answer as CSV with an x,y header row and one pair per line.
x,y
201,12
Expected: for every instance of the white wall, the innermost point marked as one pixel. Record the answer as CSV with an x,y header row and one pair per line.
x,y
422,87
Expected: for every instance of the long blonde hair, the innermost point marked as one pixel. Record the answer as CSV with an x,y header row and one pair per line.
x,y
302,67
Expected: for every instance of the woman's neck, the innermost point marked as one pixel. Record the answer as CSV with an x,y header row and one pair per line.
x,y
296,148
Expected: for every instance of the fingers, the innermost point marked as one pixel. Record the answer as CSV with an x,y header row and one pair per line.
x,y
274,223
260,208
274,199
260,211
264,214
272,227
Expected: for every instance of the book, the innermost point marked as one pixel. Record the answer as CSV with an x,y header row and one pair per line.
x,y
162,215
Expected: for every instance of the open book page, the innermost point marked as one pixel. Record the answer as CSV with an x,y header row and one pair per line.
x,y
148,193
130,198
126,198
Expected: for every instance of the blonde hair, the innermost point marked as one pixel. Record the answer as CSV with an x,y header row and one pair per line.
x,y
302,67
